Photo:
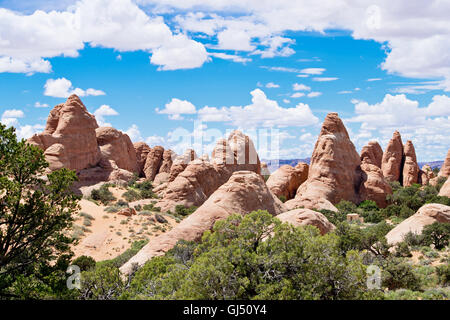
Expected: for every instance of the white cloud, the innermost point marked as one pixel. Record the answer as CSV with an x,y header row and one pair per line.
x,y
102,112
11,118
324,79
134,133
41,105
231,57
261,112
374,79
62,88
314,71
345,92
286,101
314,94
155,141
300,87
297,95
272,85
308,137
27,40
176,107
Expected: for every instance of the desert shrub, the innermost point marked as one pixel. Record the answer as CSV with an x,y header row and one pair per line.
x,y
84,262
437,233
145,213
103,194
138,207
332,216
402,250
124,257
413,239
443,274
131,195
397,274
87,222
282,198
112,209
346,207
146,189
183,211
122,204
440,183
86,215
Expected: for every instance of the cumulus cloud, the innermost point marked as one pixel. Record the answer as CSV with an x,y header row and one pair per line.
x,y
103,112
176,107
28,40
314,94
232,57
62,88
10,117
272,85
300,87
41,105
297,95
261,112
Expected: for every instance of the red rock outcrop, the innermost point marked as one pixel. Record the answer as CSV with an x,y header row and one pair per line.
x,y
372,154
410,166
153,162
69,139
180,163
373,185
334,171
286,180
117,146
426,215
243,193
445,169
201,178
445,189
391,164
303,217
142,149
167,161
425,175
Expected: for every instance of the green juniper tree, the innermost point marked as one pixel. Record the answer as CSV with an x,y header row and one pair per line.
x,y
35,215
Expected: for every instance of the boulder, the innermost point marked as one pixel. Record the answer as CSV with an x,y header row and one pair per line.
x,y
410,166
426,215
391,164
445,189
201,178
445,169
142,149
286,180
161,178
153,162
117,147
302,217
128,212
244,192
334,171
69,139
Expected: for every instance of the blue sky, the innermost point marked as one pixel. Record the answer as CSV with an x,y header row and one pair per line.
x,y
160,69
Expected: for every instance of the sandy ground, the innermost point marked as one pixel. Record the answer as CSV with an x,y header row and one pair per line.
x,y
111,234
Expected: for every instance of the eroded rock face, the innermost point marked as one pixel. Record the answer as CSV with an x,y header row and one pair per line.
x,y
180,163
286,180
244,192
391,164
201,178
445,169
167,161
374,186
69,139
153,162
303,217
372,154
426,215
334,171
117,146
445,189
410,166
425,175
142,149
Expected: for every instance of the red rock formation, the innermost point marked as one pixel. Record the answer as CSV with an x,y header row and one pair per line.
x,y
167,161
286,180
243,193
116,146
445,189
142,149
426,215
374,186
372,154
391,164
201,178
334,171
153,162
181,162
425,175
410,166
69,139
303,217
445,169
